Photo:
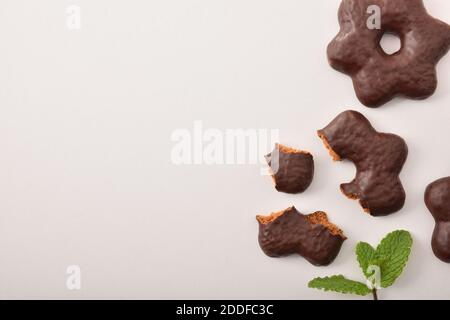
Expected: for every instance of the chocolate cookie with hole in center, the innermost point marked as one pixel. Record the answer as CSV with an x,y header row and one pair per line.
x,y
292,170
377,76
290,232
378,157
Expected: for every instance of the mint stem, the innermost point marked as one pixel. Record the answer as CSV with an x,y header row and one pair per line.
x,y
375,295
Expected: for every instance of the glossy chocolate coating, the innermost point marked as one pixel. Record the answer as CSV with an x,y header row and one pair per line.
x,y
437,199
378,157
377,76
292,233
293,170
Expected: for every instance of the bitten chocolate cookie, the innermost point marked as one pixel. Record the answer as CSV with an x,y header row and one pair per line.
x,y
378,157
290,232
377,76
292,170
437,199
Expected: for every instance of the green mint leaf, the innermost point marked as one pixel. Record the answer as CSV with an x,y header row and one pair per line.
x,y
340,284
365,255
378,260
392,255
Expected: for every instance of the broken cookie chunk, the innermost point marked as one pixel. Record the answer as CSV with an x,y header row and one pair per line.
x,y
292,170
378,157
291,232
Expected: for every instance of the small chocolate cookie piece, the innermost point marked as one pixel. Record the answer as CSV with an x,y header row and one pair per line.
x,y
377,76
437,199
292,170
378,157
290,232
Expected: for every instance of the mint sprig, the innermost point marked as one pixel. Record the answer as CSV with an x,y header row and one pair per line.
x,y
380,266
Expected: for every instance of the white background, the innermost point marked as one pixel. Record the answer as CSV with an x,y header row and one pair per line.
x,y
86,176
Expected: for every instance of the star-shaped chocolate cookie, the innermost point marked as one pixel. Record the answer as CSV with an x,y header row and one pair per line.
x,y
377,76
